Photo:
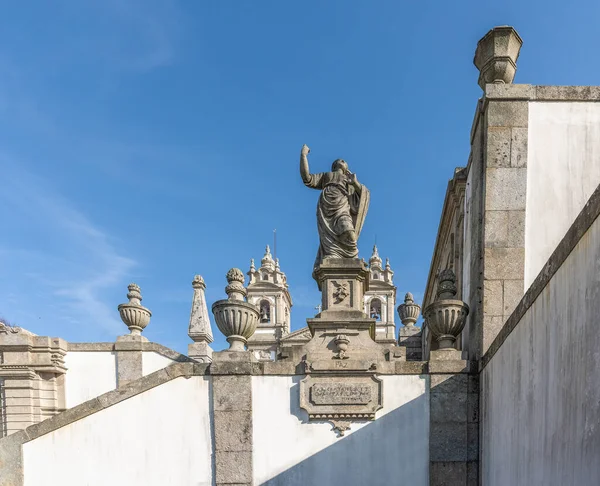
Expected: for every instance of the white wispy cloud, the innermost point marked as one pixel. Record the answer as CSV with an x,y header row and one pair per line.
x,y
72,258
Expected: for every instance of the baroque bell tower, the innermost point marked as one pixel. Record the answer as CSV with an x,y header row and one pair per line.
x,y
268,290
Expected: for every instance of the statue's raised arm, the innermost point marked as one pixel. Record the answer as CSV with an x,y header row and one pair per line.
x,y
341,210
304,170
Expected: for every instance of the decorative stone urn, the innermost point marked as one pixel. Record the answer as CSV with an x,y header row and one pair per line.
x,y
446,316
133,314
409,311
236,318
496,56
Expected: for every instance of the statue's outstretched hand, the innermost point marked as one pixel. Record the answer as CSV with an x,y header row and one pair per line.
x,y
305,150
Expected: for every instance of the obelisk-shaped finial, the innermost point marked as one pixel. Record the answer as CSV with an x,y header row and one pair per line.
x,y
199,329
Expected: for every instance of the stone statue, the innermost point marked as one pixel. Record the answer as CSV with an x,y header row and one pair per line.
x,y
341,210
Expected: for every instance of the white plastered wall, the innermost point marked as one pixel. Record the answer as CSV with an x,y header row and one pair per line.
x,y
89,374
290,451
157,438
540,392
152,362
563,170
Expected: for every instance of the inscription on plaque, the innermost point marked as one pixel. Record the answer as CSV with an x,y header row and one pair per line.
x,y
340,394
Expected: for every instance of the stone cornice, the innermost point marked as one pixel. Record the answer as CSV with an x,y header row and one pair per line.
x,y
455,188
580,226
144,346
529,92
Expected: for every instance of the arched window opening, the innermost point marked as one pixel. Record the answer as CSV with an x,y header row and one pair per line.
x,y
376,276
375,311
265,276
265,311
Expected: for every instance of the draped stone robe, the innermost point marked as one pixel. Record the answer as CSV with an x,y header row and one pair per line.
x,y
340,209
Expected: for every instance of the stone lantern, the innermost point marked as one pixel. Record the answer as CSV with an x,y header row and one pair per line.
x,y
236,318
496,56
446,316
409,311
133,314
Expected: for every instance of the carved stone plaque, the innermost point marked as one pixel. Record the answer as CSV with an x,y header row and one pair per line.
x,y
341,399
340,393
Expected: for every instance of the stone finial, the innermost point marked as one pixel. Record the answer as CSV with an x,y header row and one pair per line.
x,y
387,265
235,288
236,318
267,259
252,267
375,258
496,56
277,267
199,329
446,316
446,288
409,311
133,314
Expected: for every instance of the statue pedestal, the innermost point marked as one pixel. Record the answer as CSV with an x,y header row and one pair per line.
x,y
342,359
343,283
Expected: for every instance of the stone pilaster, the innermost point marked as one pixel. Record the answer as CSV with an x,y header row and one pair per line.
x,y
232,404
129,350
454,421
505,162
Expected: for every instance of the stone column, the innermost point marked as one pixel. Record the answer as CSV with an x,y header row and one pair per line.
x,y
505,132
454,421
231,373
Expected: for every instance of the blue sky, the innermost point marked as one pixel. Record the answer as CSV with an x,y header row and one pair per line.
x,y
149,141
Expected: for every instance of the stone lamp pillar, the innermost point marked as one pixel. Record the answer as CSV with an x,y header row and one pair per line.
x,y
129,348
496,56
446,316
236,318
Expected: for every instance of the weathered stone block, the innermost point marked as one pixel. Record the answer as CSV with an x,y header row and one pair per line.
x,y
491,328
448,441
473,473
516,229
233,467
449,383
504,263
513,293
509,91
448,366
448,473
498,147
232,393
505,189
518,147
11,459
496,229
507,113
129,366
448,407
473,408
233,430
492,297
472,442
567,93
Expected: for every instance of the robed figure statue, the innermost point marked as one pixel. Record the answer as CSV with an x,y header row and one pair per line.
x,y
341,209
